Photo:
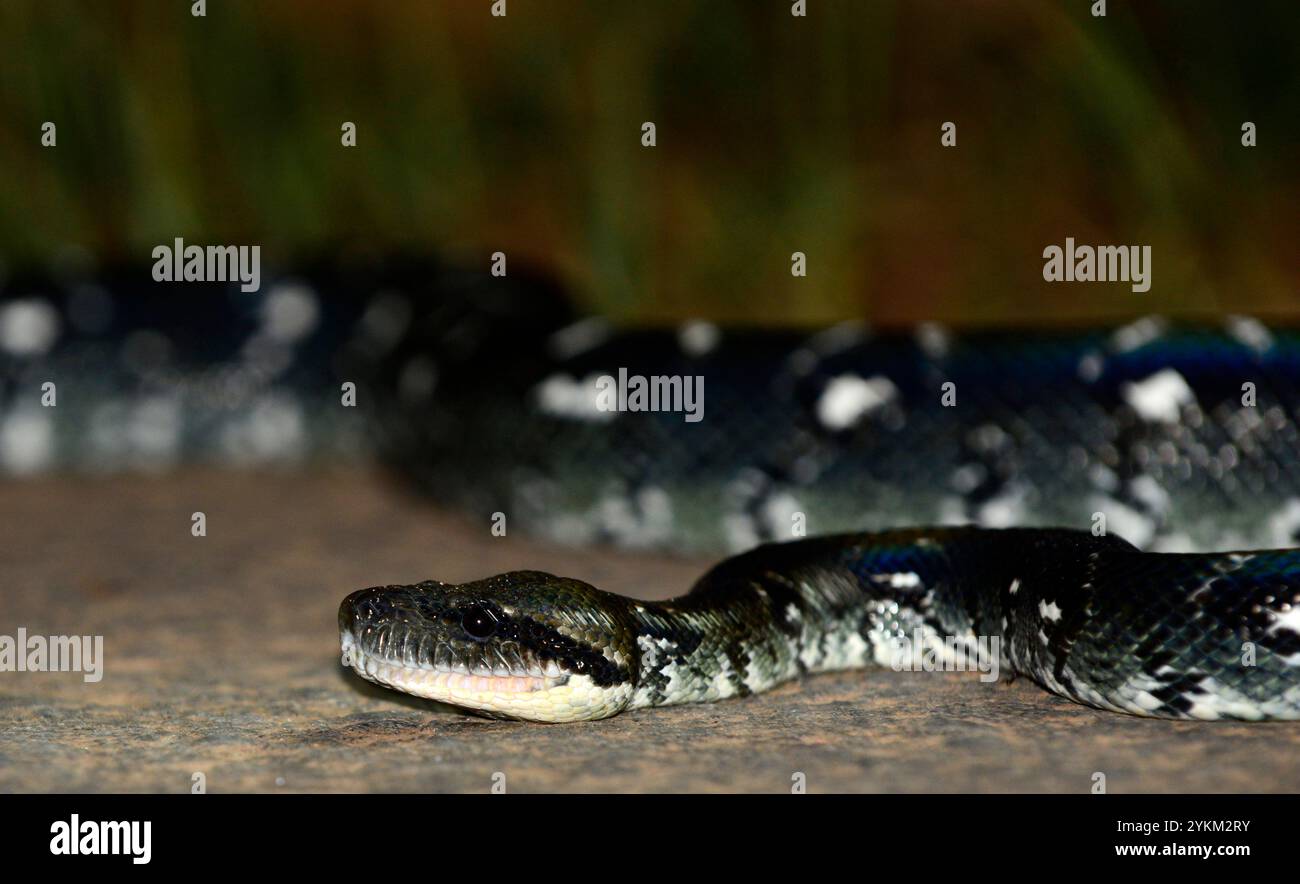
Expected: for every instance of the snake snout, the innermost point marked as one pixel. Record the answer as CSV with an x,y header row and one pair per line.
x,y
363,617
362,608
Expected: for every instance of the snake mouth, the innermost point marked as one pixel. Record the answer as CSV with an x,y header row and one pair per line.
x,y
469,686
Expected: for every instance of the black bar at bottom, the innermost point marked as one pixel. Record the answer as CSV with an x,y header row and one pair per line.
x,y
582,835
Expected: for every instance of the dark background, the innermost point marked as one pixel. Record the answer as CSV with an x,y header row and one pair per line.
x,y
775,134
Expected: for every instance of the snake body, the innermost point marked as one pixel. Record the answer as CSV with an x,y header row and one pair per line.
x,y
1182,439
1090,618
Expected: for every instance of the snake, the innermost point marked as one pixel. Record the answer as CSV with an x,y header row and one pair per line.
x,y
1050,503
1092,619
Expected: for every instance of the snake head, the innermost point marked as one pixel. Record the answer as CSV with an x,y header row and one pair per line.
x,y
520,645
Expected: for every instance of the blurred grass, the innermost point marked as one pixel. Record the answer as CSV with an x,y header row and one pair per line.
x,y
775,134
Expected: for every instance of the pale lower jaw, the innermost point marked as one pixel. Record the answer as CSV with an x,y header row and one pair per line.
x,y
447,685
529,696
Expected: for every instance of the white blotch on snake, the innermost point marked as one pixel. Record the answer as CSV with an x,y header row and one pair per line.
x,y
848,397
579,337
899,580
28,327
1160,397
1250,331
697,338
1125,521
1005,510
290,312
563,395
1091,366
1137,334
933,339
1284,525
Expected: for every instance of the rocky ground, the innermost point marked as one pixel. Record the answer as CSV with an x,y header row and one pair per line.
x,y
221,657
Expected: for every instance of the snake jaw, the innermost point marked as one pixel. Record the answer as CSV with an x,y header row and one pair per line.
x,y
494,694
528,697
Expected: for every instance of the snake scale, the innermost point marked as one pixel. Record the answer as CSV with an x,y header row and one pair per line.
x,y
1028,453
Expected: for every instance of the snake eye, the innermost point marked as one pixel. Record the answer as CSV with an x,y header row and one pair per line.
x,y
478,623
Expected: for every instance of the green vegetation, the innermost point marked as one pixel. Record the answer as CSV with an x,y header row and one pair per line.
x,y
775,134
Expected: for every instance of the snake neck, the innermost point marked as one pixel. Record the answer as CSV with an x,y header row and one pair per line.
x,y
782,610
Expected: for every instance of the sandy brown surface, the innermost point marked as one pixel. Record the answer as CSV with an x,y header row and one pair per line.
x,y
222,657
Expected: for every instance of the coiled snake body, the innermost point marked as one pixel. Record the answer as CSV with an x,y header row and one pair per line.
x,y
1181,439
